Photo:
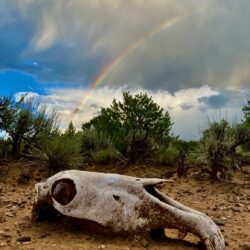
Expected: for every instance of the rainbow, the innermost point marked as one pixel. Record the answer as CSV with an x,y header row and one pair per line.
x,y
103,74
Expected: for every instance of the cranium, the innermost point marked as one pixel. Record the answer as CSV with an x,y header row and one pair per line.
x,y
123,204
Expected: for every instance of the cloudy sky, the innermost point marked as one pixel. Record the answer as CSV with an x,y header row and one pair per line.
x,y
192,56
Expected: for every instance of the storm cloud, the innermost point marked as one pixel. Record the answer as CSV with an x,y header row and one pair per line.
x,y
227,98
73,41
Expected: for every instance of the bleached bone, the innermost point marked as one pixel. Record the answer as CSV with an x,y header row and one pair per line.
x,y
123,204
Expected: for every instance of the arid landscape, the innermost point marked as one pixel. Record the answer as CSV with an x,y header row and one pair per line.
x,y
150,89
228,203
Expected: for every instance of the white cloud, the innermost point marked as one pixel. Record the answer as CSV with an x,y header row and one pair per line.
x,y
28,95
47,34
186,122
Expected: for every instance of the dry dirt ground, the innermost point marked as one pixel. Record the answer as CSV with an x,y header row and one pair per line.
x,y
229,202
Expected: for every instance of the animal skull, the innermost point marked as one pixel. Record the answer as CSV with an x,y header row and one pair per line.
x,y
123,204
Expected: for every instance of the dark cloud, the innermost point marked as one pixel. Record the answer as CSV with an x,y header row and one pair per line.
x,y
214,101
14,37
221,100
74,40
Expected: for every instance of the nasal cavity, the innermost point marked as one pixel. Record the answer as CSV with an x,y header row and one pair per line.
x,y
116,197
63,191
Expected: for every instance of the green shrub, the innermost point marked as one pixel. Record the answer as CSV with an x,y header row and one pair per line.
x,y
58,153
5,148
217,143
194,158
167,156
134,125
106,156
92,142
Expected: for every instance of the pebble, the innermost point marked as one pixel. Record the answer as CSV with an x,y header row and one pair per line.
x,y
239,205
236,209
219,221
9,214
23,239
144,243
13,208
5,235
2,219
101,247
45,235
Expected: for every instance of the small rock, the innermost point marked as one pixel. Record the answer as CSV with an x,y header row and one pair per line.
x,y
22,206
239,205
23,239
44,235
9,214
2,219
236,209
13,208
219,221
101,247
144,243
4,234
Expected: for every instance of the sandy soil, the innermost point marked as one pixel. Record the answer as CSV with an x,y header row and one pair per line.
x,y
229,202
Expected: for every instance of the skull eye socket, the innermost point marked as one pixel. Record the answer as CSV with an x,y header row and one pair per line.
x,y
63,191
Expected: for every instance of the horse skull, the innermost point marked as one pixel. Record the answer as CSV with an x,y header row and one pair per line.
x,y
123,204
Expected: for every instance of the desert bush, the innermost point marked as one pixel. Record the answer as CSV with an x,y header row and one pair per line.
x,y
134,125
217,141
25,121
92,142
106,156
57,153
5,148
195,158
167,156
